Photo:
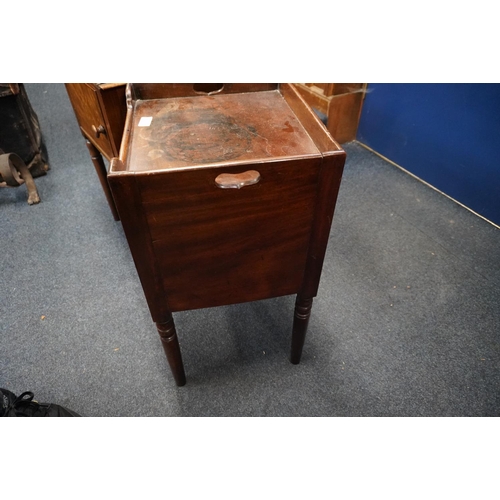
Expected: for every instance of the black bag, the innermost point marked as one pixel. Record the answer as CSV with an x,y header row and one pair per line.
x,y
24,406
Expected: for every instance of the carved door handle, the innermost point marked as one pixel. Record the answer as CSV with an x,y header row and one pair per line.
x,y
237,181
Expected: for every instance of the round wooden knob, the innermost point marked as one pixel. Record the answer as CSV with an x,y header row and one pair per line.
x,y
98,130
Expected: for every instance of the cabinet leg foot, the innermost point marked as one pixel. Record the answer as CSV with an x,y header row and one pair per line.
x,y
300,322
170,343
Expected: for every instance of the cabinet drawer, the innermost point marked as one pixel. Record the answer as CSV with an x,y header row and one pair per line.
x,y
100,111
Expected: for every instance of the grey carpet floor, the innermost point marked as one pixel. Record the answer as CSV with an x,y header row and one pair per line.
x,y
406,322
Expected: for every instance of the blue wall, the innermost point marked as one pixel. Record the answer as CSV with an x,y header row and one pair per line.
x,y
446,134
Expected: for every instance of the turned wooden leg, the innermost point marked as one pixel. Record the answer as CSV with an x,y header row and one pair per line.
x,y
100,168
170,344
300,321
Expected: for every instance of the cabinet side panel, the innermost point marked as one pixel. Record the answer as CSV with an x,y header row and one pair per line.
x,y
315,128
147,91
128,202
115,110
329,185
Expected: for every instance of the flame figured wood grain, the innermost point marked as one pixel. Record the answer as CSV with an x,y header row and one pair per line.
x,y
223,246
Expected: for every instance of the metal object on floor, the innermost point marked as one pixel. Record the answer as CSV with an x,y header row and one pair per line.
x,y
14,172
20,130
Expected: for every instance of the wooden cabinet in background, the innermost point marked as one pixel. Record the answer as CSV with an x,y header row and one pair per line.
x,y
100,109
340,102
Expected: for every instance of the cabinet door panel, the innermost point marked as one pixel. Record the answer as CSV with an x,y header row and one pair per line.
x,y
220,246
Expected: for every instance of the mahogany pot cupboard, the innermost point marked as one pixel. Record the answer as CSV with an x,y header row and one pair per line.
x,y
226,194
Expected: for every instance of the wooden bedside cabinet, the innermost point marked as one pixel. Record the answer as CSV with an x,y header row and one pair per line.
x,y
100,109
226,194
